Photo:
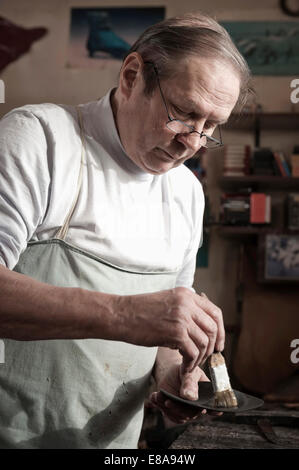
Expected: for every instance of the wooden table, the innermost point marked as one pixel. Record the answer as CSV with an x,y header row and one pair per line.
x,y
243,431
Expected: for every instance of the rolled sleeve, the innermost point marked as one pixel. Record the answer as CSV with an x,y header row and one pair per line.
x,y
24,182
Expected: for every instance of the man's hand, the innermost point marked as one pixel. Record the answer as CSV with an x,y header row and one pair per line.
x,y
185,386
177,319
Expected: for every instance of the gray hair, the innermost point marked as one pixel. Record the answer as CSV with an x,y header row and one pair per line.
x,y
197,34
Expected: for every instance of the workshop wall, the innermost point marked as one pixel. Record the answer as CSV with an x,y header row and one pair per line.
x,y
42,76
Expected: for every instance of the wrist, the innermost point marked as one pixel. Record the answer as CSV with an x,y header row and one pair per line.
x,y
103,320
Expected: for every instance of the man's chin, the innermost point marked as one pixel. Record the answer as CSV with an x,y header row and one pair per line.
x,y
163,167
158,165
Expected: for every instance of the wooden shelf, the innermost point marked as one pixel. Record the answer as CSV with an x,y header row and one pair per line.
x,y
258,122
267,121
247,231
260,182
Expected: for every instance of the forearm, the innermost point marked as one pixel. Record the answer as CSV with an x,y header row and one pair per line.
x,y
32,310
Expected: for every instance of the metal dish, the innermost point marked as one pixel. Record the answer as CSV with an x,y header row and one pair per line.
x,y
206,399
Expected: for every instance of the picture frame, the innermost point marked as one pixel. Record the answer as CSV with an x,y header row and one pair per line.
x,y
278,258
269,47
100,37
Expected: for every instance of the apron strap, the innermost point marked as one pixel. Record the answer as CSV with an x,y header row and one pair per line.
x,y
62,231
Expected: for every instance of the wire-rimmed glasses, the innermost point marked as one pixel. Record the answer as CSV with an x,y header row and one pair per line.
x,y
180,127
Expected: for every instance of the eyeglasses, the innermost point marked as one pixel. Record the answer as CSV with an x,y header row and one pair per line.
x,y
180,127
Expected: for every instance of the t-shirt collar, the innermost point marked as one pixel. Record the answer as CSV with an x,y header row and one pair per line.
x,y
105,129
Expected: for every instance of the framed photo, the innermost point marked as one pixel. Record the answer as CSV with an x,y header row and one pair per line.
x,y
103,36
269,47
280,254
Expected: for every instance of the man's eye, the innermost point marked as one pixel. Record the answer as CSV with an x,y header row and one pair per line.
x,y
180,111
209,125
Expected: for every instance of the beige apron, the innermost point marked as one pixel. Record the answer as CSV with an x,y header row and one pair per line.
x,y
76,393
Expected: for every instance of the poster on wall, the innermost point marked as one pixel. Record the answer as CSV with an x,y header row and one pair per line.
x,y
100,36
282,257
16,40
269,47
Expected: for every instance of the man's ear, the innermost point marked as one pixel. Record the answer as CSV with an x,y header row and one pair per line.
x,y
131,73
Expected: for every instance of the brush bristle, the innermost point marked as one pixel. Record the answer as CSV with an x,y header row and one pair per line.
x,y
224,396
225,399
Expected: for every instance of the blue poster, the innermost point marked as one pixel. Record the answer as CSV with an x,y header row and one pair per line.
x,y
101,36
269,47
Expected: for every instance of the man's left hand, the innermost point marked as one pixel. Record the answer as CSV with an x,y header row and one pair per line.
x,y
183,385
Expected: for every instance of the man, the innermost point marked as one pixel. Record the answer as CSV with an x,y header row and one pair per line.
x,y
100,225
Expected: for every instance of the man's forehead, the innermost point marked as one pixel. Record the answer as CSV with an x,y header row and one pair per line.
x,y
200,106
205,86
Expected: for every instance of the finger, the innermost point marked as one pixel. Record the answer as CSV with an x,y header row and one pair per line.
x,y
189,383
189,386
190,352
153,398
216,313
176,412
202,341
183,413
210,329
180,413
215,413
180,409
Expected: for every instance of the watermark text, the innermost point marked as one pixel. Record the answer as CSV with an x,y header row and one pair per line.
x,y
294,96
295,354
2,351
2,91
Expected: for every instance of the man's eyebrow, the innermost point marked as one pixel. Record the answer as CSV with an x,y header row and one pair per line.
x,y
221,122
189,103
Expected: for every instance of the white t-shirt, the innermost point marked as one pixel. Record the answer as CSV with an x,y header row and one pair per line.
x,y
124,215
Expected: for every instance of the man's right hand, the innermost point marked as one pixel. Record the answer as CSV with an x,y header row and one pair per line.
x,y
176,318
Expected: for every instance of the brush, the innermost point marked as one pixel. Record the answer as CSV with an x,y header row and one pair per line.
x,y
224,396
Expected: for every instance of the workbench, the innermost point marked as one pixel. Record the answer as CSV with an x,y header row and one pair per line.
x,y
258,429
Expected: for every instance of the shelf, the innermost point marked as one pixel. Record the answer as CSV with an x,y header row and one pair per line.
x,y
260,182
247,231
243,231
267,121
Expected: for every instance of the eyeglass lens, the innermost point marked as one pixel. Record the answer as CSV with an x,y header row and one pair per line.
x,y
179,127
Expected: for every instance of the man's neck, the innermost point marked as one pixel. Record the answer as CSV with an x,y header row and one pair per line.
x,y
114,101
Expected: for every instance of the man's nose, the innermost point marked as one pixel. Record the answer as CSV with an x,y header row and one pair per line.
x,y
191,141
